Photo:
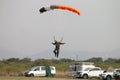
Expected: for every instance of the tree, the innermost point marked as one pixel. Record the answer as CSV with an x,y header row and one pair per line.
x,y
95,59
13,60
25,60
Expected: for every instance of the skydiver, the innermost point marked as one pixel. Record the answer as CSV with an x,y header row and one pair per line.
x,y
57,47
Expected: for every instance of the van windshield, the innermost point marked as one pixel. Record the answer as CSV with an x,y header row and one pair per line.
x,y
31,69
87,69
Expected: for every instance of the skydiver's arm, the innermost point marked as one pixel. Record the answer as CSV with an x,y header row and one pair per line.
x,y
53,43
62,43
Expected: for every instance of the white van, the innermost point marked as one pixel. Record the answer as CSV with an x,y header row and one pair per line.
x,y
79,66
41,71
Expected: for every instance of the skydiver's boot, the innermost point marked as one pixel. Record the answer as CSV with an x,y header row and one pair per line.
x,y
57,55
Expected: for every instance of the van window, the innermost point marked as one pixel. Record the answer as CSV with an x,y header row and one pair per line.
x,y
37,69
75,68
42,68
70,69
51,68
118,71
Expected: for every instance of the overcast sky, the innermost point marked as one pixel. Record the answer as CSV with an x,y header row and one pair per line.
x,y
25,32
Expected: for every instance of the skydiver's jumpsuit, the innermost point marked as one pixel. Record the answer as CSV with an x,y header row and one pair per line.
x,y
56,50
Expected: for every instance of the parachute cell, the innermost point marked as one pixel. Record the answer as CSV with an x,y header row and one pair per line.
x,y
44,9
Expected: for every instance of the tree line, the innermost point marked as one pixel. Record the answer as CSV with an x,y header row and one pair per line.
x,y
58,61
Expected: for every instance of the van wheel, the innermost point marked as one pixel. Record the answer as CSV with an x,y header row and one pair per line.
x,y
85,76
108,78
31,75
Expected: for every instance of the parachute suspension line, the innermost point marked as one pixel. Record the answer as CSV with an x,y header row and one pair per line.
x,y
61,7
61,30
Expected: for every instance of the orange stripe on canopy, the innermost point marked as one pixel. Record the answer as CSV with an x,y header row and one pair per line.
x,y
68,8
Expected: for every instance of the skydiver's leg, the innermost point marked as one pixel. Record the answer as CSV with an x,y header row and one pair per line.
x,y
55,52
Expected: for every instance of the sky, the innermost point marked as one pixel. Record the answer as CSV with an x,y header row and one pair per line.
x,y
25,32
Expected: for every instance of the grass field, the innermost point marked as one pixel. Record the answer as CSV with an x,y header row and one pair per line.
x,y
41,78
35,78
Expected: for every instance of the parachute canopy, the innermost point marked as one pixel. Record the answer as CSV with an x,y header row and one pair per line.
x,y
51,7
